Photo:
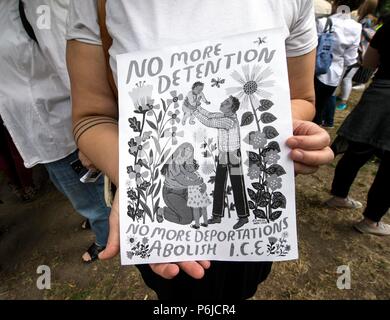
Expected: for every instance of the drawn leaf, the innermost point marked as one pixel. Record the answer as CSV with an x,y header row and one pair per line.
x,y
278,201
158,189
212,180
276,169
263,199
164,105
165,156
270,132
151,189
156,174
157,144
156,205
135,124
265,105
151,124
273,146
253,157
267,118
252,205
252,194
247,119
258,186
160,115
275,215
260,214
146,209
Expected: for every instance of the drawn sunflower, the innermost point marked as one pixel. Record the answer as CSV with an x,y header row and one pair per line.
x,y
253,85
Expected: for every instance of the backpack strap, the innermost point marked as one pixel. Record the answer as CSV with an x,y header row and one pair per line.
x,y
26,25
106,44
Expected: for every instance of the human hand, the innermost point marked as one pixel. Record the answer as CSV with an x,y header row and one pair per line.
x,y
195,269
310,147
86,162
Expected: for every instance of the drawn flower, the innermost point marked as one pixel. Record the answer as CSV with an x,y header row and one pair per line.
x,y
146,136
287,248
252,85
136,174
272,157
285,234
274,182
131,194
142,98
254,172
175,99
272,240
256,139
145,240
138,144
154,107
173,133
174,116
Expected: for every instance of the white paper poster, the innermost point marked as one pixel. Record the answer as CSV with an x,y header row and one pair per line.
x,y
204,169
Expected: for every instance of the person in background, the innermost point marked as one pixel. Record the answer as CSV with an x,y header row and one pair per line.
x,y
322,8
36,109
367,130
366,16
347,34
20,179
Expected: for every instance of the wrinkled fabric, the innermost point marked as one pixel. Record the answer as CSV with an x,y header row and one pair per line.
x,y
34,98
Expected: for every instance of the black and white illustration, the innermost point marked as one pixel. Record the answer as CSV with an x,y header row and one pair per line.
x,y
204,168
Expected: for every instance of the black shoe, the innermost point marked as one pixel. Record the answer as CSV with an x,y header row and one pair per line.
x,y
196,227
204,225
241,222
214,220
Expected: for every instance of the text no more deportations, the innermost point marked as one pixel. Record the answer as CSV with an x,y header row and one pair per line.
x,y
201,242
199,67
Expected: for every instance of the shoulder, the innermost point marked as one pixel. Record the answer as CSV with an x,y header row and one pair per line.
x,y
300,20
82,24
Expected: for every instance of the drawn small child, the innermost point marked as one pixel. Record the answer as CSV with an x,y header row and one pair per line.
x,y
198,199
193,99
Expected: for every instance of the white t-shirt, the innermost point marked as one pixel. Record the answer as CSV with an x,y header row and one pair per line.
x,y
34,97
153,24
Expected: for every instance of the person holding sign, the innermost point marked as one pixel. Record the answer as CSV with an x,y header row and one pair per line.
x,y
95,102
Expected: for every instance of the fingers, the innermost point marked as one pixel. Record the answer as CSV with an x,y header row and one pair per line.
x,y
86,162
312,158
112,248
166,270
170,270
315,141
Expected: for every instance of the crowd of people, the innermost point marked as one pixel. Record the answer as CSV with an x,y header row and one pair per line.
x,y
58,106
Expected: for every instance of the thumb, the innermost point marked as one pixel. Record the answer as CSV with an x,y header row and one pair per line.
x,y
112,248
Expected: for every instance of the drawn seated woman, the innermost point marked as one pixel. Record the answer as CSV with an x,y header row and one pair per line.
x,y
177,181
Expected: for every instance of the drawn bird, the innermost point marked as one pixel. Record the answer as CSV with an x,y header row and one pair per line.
x,y
261,41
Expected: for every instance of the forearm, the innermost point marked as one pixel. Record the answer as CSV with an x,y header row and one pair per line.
x,y
302,109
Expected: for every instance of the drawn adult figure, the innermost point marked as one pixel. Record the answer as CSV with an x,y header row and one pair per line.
x,y
175,190
229,159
